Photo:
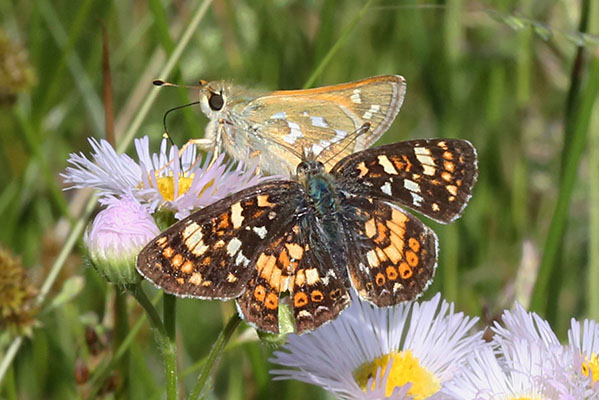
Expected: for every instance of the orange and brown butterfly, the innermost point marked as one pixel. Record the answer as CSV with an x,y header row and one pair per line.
x,y
311,239
267,125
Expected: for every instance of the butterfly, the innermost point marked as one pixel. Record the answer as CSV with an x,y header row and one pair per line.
x,y
317,235
321,119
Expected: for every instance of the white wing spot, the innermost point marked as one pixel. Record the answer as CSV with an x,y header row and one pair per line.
x,y
422,150
373,109
325,143
387,165
416,199
260,231
233,246
356,96
294,133
339,135
428,170
319,121
311,276
424,156
242,260
193,239
317,149
386,188
279,115
411,186
236,216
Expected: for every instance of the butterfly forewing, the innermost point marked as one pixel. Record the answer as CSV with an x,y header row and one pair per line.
x,y
321,120
210,253
392,254
434,177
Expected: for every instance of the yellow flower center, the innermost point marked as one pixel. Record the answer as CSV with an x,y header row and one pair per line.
x,y
405,369
590,367
166,186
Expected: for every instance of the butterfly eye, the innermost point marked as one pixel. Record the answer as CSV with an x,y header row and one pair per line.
x,y
216,101
302,168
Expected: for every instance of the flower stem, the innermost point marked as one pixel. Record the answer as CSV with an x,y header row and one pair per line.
x,y
121,327
169,311
168,316
167,348
214,355
102,371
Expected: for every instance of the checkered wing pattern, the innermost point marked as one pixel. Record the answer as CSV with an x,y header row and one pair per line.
x,y
392,255
289,264
210,253
434,177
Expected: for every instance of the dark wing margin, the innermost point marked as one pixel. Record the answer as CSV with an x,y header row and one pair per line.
x,y
392,254
434,177
209,254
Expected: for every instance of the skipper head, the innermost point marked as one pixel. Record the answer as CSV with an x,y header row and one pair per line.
x,y
309,168
213,98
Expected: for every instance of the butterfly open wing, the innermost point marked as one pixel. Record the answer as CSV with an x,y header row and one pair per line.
x,y
392,255
434,177
316,118
210,253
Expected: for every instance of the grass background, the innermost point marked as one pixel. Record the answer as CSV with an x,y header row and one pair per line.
x,y
517,78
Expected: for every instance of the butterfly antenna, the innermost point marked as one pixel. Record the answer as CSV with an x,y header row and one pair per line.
x,y
166,115
354,136
160,82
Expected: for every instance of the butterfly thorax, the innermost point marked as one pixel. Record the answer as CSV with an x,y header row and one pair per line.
x,y
325,206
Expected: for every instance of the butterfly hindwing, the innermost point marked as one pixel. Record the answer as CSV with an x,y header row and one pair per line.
x,y
318,290
392,254
209,253
434,177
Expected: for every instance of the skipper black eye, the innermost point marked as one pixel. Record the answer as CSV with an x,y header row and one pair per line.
x,y
216,101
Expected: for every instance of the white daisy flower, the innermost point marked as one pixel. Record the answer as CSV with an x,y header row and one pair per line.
x,y
410,350
165,180
516,370
530,363
520,324
579,372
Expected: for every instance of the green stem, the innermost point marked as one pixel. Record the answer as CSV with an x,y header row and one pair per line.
x,y
329,56
168,350
169,311
8,357
575,150
121,327
593,274
104,369
9,384
215,353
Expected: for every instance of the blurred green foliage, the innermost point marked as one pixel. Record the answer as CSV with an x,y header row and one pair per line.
x,y
504,75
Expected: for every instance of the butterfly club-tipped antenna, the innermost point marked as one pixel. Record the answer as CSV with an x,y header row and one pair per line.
x,y
353,137
160,82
